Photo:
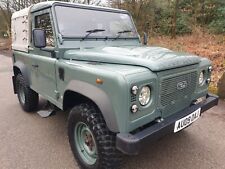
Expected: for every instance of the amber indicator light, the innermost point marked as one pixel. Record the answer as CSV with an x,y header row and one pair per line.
x,y
99,81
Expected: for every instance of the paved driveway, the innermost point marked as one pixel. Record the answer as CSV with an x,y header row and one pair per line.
x,y
29,141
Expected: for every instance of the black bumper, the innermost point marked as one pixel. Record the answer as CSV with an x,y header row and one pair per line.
x,y
132,143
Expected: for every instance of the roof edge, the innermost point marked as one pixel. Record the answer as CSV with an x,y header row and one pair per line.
x,y
21,13
48,4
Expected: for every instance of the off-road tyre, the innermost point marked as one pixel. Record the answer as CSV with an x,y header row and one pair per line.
x,y
108,157
27,97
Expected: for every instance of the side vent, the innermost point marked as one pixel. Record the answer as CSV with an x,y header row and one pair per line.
x,y
133,98
61,74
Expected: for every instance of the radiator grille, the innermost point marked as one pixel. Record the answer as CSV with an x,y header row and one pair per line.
x,y
171,93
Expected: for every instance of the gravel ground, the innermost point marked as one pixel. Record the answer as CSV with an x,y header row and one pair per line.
x,y
28,141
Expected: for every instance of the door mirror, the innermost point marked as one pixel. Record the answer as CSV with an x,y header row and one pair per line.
x,y
39,37
145,39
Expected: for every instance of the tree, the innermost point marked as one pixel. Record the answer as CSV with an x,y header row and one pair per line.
x,y
174,19
6,13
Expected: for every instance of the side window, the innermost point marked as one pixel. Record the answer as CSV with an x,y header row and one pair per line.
x,y
44,22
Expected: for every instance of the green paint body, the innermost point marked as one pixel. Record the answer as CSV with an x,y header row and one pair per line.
x,y
119,63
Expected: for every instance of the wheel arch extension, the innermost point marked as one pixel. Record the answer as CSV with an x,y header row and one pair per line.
x,y
78,91
19,67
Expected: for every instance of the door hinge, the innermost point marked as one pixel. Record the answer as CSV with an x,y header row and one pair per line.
x,y
57,94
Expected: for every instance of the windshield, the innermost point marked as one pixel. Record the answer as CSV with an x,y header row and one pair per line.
x,y
77,22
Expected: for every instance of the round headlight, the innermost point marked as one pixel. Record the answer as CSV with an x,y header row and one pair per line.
x,y
144,96
201,78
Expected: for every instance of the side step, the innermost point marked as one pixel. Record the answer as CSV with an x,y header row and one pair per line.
x,y
47,109
46,113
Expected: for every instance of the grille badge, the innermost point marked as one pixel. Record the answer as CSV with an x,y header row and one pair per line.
x,y
182,85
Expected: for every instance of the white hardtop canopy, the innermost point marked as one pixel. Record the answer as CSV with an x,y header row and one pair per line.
x,y
20,30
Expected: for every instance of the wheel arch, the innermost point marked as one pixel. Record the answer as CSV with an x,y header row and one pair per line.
x,y
19,67
77,92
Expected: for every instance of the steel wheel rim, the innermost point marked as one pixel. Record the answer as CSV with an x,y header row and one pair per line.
x,y
21,93
85,143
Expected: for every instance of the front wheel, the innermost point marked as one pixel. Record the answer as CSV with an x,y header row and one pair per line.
x,y
93,145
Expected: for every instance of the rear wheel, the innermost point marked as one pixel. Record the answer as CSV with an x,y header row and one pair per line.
x,y
92,143
27,97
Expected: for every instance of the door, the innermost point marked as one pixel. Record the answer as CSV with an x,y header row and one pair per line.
x,y
43,77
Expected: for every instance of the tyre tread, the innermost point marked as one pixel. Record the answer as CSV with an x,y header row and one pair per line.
x,y
110,157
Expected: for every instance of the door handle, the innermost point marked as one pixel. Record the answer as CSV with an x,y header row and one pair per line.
x,y
35,66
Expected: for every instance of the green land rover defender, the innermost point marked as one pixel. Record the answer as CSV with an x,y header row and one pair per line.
x,y
120,93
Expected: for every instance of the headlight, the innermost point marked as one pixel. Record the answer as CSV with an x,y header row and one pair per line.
x,y
201,78
144,96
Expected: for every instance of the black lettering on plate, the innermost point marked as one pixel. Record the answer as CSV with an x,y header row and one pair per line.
x,y
178,126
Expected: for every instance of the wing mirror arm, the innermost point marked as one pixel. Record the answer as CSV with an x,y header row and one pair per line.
x,y
50,50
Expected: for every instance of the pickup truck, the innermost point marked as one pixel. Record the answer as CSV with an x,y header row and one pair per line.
x,y
120,93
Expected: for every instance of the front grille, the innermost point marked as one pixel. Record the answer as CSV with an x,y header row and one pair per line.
x,y
172,93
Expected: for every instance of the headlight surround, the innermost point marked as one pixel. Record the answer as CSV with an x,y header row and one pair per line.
x,y
201,79
144,95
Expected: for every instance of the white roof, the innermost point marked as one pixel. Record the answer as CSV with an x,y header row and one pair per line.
x,y
20,30
23,12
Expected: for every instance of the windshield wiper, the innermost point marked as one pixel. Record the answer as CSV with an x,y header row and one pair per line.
x,y
89,32
121,32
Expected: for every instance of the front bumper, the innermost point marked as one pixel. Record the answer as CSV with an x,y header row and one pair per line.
x,y
132,143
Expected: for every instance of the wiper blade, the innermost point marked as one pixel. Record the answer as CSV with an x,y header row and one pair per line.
x,y
89,32
121,32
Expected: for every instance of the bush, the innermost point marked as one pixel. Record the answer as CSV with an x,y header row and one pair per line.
x,y
217,26
183,25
